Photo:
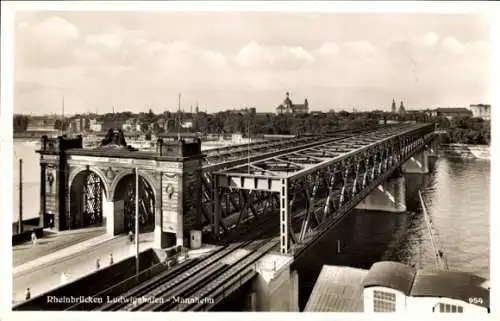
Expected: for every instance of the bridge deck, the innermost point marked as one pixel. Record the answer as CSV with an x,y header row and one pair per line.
x,y
266,174
231,156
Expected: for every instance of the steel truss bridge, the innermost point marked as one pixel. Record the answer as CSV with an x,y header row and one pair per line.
x,y
310,181
295,189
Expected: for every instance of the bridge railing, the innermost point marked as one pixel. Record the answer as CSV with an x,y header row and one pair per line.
x,y
231,199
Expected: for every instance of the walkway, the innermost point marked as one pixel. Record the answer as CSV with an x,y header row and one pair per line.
x,y
44,273
52,242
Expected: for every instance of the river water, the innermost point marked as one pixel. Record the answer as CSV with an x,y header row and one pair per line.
x,y
457,194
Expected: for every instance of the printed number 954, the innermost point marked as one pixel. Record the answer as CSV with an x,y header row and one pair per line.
x,y
476,300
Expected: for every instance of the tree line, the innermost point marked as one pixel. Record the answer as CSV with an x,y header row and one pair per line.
x,y
466,130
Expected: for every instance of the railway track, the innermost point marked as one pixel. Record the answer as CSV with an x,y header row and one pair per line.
x,y
170,282
109,291
225,283
173,295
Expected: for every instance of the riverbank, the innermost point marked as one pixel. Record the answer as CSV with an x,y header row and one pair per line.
x,y
466,151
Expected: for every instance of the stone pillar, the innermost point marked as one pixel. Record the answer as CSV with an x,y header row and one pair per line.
x,y
108,213
42,212
387,197
167,226
54,177
180,164
58,197
276,286
160,237
118,218
294,292
417,164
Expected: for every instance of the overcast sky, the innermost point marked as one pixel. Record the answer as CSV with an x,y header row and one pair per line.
x,y
233,60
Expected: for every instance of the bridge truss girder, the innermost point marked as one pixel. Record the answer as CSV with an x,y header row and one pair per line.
x,y
240,152
311,198
229,153
232,199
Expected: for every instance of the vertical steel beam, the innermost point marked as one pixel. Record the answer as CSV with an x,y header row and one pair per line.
x,y
330,195
271,202
344,184
354,184
216,213
284,218
374,165
367,161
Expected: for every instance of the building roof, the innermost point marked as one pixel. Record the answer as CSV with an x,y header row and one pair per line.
x,y
337,289
300,106
451,284
453,110
392,275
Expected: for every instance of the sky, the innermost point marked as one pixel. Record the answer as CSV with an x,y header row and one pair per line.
x,y
226,60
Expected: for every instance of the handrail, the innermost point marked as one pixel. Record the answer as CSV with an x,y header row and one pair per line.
x,y
440,257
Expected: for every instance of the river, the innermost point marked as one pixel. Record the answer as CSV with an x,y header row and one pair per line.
x,y
457,194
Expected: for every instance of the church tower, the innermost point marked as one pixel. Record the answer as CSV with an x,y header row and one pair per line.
x,y
401,109
393,108
287,103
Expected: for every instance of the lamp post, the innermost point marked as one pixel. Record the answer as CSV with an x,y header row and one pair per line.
x,y
137,224
20,223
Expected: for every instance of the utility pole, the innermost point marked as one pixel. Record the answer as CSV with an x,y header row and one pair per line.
x,y
179,118
20,224
62,116
248,145
136,224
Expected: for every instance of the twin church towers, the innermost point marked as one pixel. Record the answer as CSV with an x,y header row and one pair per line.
x,y
401,107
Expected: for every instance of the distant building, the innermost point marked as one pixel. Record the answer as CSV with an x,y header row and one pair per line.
x,y
187,124
128,125
289,107
402,109
111,124
162,123
393,107
451,112
94,125
40,124
79,124
481,111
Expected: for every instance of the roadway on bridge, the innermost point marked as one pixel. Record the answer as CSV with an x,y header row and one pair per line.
x,y
52,242
47,276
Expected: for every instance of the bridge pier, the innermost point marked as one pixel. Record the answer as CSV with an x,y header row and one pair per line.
x,y
276,287
388,197
418,164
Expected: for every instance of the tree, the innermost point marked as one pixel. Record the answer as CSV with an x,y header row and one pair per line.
x,y
20,123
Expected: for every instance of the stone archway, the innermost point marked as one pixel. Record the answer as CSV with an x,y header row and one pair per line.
x,y
87,195
124,209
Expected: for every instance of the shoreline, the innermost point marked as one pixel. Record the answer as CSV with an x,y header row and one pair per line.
x,y
466,151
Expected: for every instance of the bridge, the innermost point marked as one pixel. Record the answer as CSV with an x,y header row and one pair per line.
x,y
263,204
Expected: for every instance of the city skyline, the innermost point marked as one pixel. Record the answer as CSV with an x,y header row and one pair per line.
x,y
336,60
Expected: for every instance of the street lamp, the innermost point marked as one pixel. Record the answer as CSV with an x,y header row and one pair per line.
x,y
137,224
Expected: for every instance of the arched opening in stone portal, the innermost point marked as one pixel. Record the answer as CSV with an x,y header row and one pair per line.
x,y
86,200
124,198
